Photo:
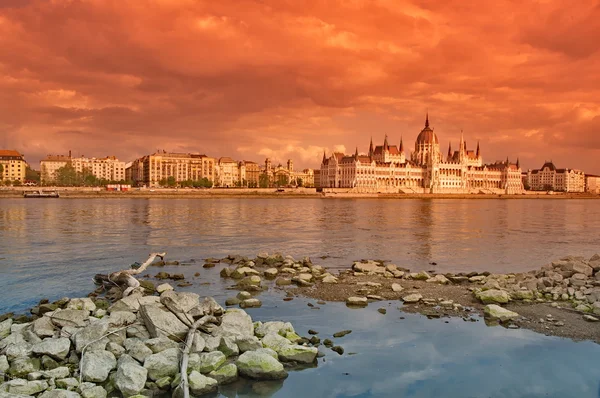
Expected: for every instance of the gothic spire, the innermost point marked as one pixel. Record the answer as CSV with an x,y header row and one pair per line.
x,y
385,144
324,157
401,149
427,119
477,148
371,147
518,164
507,160
449,149
356,153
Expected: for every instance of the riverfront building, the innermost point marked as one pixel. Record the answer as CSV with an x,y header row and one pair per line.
x,y
387,169
13,166
549,178
592,183
286,175
150,170
109,168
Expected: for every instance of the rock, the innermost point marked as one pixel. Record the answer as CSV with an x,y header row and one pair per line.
x,y
271,273
396,287
121,318
298,353
337,349
225,374
130,378
260,366
90,336
5,328
138,331
96,366
493,296
163,288
93,392
412,298
20,367
179,302
133,302
116,349
357,301
420,276
60,393
581,268
207,361
368,268
23,387
590,318
137,349
275,342
211,343
17,350
248,343
476,278
163,364
49,363
329,279
77,318
232,301
283,282
277,327
342,333
56,373
81,304
243,295
200,384
55,348
493,311
162,322
253,280
251,303
382,311
162,343
522,295
4,365
68,383
43,327
439,278
374,297
228,347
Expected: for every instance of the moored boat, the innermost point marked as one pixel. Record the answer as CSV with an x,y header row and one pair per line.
x,y
41,194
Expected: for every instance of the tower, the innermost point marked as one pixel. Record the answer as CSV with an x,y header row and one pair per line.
x,y
267,165
324,157
401,148
386,146
371,149
290,165
449,150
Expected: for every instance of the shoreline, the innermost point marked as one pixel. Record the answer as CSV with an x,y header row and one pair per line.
x,y
70,193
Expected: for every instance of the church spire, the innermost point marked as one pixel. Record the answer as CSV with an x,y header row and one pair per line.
x,y
477,148
427,120
518,164
507,161
449,149
385,144
324,157
371,147
356,153
401,149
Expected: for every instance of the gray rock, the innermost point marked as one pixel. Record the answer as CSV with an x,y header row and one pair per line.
x,y
298,353
137,331
590,318
77,318
137,349
275,342
271,273
4,365
18,350
248,343
439,278
357,301
200,384
121,318
412,298
260,366
55,348
397,287
163,288
207,361
420,276
161,343
20,367
328,278
581,268
57,373
251,303
24,387
161,322
68,383
116,349
96,366
59,393
5,328
493,296
163,364
81,304
181,302
228,346
43,327
493,311
130,378
90,336
133,302
277,327
94,392
235,323
126,358
225,374
368,268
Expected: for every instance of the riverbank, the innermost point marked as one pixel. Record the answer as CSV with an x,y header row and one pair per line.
x,y
166,193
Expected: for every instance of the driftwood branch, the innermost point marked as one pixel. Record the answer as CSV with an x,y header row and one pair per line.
x,y
125,279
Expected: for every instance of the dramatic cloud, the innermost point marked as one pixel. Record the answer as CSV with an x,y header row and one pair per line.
x,y
289,79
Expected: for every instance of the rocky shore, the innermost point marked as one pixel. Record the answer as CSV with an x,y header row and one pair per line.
x,y
135,347
562,298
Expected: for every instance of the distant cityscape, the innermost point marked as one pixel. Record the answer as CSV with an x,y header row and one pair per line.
x,y
384,169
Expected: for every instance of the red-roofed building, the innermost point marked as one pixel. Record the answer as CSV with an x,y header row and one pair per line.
x,y
13,165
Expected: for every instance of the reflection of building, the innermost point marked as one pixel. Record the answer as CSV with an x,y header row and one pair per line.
x,y
549,178
108,168
150,170
386,169
592,183
13,165
286,175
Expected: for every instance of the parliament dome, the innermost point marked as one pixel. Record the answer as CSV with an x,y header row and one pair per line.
x,y
427,136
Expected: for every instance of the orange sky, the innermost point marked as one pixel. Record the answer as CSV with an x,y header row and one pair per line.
x,y
289,78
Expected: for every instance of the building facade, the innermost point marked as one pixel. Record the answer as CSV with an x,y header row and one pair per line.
x,y
549,178
151,170
592,183
230,173
386,169
109,168
281,175
13,166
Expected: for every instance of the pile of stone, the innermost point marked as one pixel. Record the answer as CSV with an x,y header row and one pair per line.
x,y
75,348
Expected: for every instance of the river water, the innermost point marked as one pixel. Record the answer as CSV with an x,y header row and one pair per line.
x,y
52,248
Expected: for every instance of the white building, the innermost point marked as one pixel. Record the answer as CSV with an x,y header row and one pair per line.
x,y
108,168
386,169
592,183
549,178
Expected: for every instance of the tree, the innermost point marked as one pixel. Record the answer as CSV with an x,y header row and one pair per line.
x,y
299,182
283,180
30,175
171,181
66,176
16,183
263,181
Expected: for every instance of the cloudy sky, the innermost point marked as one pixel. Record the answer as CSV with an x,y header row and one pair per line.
x,y
290,78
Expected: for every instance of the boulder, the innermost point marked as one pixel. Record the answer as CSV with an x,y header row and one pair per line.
x,y
161,322
298,353
121,318
397,287
163,288
93,392
582,268
57,373
251,303
357,301
43,327
4,365
137,349
248,343
90,336
77,318
68,383
260,366
200,384
271,273
207,361
24,387
225,374
522,295
22,366
493,296
133,302
5,328
17,350
328,278
420,276
55,348
130,378
235,323
60,393
81,304
277,327
368,268
228,347
275,342
96,366
163,364
493,311
412,298
439,278
162,343
181,302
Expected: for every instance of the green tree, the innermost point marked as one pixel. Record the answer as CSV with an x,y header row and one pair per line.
x,y
30,175
263,181
171,181
16,183
66,176
282,180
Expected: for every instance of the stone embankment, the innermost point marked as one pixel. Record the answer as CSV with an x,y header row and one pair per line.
x,y
561,298
133,347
